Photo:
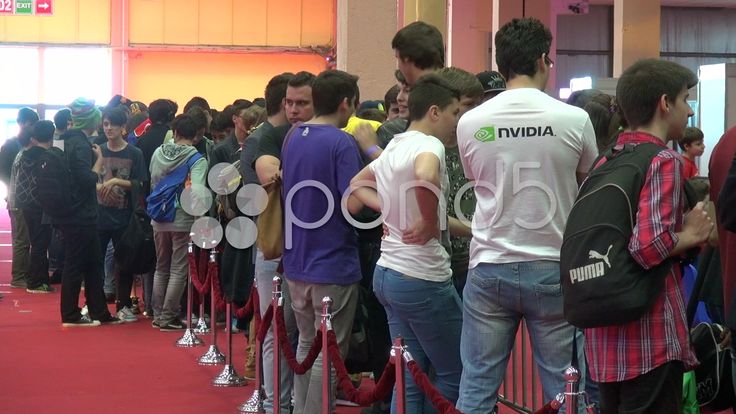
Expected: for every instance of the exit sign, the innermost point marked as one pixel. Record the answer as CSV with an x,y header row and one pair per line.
x,y
44,7
24,7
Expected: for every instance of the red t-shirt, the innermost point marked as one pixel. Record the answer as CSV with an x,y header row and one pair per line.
x,y
689,170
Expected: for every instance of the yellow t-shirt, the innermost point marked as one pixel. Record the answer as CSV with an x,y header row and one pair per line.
x,y
354,121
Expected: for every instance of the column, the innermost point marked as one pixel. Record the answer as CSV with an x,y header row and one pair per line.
x,y
364,33
635,32
468,37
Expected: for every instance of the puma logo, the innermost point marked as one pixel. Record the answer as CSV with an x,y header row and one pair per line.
x,y
595,255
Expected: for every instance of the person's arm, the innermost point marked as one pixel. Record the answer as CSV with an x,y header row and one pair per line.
x,y
426,171
367,139
7,155
458,228
348,166
589,152
268,158
84,169
362,195
727,200
655,237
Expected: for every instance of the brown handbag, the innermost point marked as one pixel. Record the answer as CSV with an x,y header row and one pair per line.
x,y
271,224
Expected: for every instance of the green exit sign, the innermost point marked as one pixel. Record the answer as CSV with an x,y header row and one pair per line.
x,y
23,6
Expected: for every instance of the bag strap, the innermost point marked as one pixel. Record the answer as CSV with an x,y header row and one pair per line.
x,y
574,359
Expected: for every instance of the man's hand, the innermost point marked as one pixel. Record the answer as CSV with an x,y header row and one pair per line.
x,y
97,150
421,232
105,188
366,136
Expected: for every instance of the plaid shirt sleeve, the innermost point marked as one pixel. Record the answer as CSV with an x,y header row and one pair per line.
x,y
654,235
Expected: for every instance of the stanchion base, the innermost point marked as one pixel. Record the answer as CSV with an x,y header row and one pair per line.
x,y
213,356
254,405
201,327
228,378
189,340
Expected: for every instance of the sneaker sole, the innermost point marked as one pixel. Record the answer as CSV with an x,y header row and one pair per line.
x,y
94,324
35,292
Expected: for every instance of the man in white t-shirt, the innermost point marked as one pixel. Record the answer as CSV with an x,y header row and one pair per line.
x,y
412,279
527,152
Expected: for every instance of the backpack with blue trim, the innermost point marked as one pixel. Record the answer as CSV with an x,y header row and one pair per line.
x,y
161,203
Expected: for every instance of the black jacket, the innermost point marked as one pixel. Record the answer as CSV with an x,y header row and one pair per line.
x,y
148,142
727,200
25,187
81,158
8,152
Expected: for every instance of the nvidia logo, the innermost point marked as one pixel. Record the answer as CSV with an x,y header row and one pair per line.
x,y
485,134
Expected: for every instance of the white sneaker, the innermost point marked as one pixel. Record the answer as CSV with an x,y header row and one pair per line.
x,y
85,311
126,315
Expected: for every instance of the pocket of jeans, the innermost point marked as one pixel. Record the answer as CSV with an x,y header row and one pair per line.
x,y
549,300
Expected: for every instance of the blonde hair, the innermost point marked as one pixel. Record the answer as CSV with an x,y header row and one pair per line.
x,y
253,117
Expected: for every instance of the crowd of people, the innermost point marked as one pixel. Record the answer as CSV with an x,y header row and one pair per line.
x,y
440,211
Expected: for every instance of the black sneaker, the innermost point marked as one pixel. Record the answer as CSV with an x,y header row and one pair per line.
x,y
82,322
172,326
155,324
112,320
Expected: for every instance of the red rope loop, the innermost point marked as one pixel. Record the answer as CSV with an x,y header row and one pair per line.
x,y
299,368
438,401
547,409
249,308
265,324
383,387
199,271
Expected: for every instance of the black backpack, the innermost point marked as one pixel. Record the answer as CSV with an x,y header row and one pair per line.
x,y
602,284
54,184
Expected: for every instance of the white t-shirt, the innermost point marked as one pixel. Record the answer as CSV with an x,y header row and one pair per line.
x,y
523,149
394,171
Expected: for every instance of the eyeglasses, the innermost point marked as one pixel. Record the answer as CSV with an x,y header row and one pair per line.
x,y
548,61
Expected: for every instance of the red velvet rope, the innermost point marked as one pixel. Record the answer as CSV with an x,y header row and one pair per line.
x,y
438,401
383,388
246,311
249,308
265,324
197,268
299,368
547,409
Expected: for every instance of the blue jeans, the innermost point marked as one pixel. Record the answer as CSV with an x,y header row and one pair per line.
x,y
428,316
495,299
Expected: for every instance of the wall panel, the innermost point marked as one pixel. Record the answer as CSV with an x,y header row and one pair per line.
x,y
215,22
181,22
146,21
73,22
221,78
250,22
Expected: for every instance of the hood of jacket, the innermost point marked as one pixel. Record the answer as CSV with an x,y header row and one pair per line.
x,y
30,156
167,157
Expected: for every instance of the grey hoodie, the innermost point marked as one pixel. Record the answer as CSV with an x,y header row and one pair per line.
x,y
167,158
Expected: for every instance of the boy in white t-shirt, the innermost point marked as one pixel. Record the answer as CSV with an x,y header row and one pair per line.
x,y
524,149
412,279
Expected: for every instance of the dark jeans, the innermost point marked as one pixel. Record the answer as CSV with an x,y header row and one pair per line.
x,y
56,255
459,274
657,391
40,236
124,280
82,262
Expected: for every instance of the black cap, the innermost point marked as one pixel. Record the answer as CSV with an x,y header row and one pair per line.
x,y
492,81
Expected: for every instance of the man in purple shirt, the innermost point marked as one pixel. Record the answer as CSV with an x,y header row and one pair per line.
x,y
321,248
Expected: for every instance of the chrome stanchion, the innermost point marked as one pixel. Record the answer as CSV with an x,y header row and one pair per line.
x,y
189,339
326,382
254,405
229,377
277,301
572,378
213,356
397,354
201,326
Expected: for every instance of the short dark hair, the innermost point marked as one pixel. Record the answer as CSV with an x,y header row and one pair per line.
x,y
43,131
421,44
690,136
199,116
642,85
330,88
26,114
62,119
260,102
276,91
184,126
242,102
519,43
196,102
117,116
162,111
302,78
391,96
467,83
430,90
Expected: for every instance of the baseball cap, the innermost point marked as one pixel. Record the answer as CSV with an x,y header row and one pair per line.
x,y
492,81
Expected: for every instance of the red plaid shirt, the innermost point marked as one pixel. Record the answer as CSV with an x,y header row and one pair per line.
x,y
622,352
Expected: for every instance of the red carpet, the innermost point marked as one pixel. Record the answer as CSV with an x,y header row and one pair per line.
x,y
126,369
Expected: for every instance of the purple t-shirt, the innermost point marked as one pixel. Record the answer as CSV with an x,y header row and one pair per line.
x,y
317,156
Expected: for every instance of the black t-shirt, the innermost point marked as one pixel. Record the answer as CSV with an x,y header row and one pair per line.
x,y
272,142
249,153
